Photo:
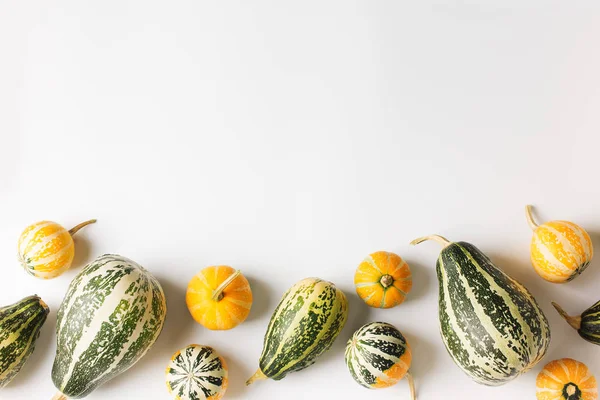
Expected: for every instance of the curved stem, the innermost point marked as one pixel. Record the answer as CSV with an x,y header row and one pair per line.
x,y
530,220
218,293
59,396
76,228
575,322
436,238
258,376
411,384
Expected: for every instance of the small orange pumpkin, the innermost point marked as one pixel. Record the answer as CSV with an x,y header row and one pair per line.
x,y
383,280
219,297
566,379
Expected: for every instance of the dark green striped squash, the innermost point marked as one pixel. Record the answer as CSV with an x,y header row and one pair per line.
x,y
305,324
587,324
491,325
20,325
112,313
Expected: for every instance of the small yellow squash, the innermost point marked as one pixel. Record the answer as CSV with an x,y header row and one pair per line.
x,y
566,379
46,249
219,297
560,250
383,280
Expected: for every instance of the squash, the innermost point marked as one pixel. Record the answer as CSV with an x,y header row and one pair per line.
x,y
491,325
113,312
20,325
219,297
197,373
560,250
46,249
566,379
383,280
378,356
587,324
305,324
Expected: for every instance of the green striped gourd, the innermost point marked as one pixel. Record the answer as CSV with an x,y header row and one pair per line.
x,y
587,324
20,325
197,373
112,313
304,325
491,325
378,356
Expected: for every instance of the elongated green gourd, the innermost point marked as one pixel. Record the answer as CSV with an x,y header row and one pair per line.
x,y
587,324
20,325
111,315
307,321
491,325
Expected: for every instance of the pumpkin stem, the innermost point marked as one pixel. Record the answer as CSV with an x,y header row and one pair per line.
x,y
386,281
530,220
411,384
59,396
218,293
575,322
76,228
436,238
258,376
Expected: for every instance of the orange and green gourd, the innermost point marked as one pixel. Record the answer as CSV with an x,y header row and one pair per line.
x,y
566,379
383,280
46,249
560,250
219,297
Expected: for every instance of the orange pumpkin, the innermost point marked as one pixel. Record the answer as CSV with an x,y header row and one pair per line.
x,y
383,280
219,297
566,379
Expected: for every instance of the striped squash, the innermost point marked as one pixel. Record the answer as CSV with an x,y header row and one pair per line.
x,y
20,325
112,313
560,250
46,249
305,324
383,280
587,324
378,356
566,379
197,373
491,325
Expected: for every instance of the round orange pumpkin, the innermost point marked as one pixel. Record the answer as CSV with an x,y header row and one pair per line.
x,y
566,379
383,280
219,297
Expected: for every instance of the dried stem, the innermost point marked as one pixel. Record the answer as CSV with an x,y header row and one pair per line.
x,y
436,238
530,220
76,228
386,281
59,396
575,322
258,376
411,384
218,293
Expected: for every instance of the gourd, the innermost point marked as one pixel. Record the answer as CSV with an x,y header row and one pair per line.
x,y
219,297
378,356
305,324
560,250
587,324
492,326
566,379
113,312
197,373
383,280
46,249
20,325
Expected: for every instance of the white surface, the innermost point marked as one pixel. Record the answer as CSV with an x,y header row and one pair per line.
x,y
292,141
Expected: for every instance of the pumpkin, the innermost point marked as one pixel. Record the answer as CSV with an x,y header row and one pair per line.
x,y
219,297
378,356
197,373
383,280
560,250
587,324
566,379
46,249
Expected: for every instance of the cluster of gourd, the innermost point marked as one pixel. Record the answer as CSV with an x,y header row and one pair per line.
x,y
114,310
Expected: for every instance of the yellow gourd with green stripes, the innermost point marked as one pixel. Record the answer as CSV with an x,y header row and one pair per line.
x,y
560,250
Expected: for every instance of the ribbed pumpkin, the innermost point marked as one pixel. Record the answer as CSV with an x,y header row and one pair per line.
x,y
219,297
560,250
46,249
197,373
566,379
383,280
587,324
378,356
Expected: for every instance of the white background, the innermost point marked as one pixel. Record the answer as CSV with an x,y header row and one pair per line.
x,y
292,141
